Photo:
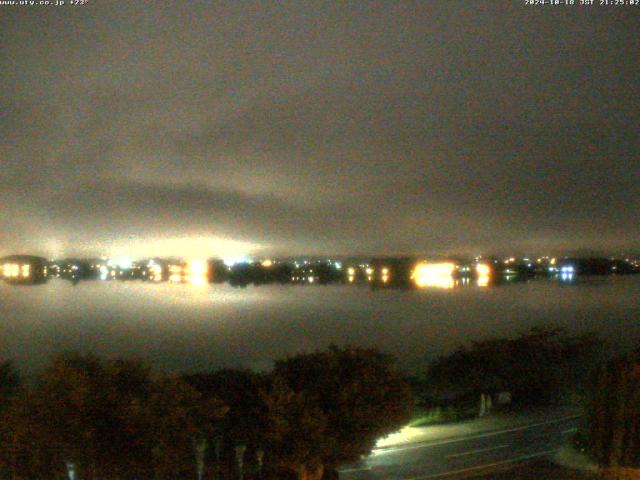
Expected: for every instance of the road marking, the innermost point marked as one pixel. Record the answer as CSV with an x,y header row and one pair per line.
x,y
361,469
471,452
382,451
481,467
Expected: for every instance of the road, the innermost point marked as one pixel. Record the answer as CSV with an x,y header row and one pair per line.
x,y
463,454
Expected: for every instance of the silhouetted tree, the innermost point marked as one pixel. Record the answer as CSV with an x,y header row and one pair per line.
x,y
614,414
112,420
245,422
538,367
179,419
329,408
9,383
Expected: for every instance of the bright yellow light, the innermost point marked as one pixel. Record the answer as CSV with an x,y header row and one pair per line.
x,y
267,263
176,273
439,275
369,270
483,269
156,272
198,272
351,278
351,271
385,278
26,270
197,267
14,270
484,274
385,271
552,261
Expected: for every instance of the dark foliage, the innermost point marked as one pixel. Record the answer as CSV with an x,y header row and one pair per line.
x,y
116,419
330,407
539,367
9,383
614,413
111,420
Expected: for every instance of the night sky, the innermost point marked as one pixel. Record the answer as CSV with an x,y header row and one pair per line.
x,y
230,128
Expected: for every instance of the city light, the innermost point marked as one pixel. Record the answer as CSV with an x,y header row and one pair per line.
x,y
122,262
155,272
438,275
176,274
11,270
484,274
231,261
104,272
267,263
198,272
483,269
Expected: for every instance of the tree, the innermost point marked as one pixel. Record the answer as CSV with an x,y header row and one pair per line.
x,y
329,408
538,367
9,383
178,419
112,420
614,414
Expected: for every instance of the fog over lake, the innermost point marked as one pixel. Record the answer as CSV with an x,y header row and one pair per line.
x,y
186,327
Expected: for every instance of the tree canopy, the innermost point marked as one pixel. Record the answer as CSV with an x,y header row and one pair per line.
x,y
330,407
118,419
108,419
614,413
537,367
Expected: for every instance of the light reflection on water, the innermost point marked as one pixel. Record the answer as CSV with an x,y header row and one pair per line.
x,y
182,327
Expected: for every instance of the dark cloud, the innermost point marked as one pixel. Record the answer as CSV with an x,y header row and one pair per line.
x,y
373,127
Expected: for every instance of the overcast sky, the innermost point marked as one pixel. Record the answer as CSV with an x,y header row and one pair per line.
x,y
228,128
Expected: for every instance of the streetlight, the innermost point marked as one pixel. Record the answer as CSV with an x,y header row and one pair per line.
x,y
259,457
201,448
240,457
71,470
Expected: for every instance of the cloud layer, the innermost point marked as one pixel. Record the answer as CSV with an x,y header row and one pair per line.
x,y
356,127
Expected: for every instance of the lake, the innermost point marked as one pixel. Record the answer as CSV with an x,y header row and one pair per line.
x,y
182,327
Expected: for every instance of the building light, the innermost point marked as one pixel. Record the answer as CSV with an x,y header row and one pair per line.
x,y
104,272
439,275
483,269
198,272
